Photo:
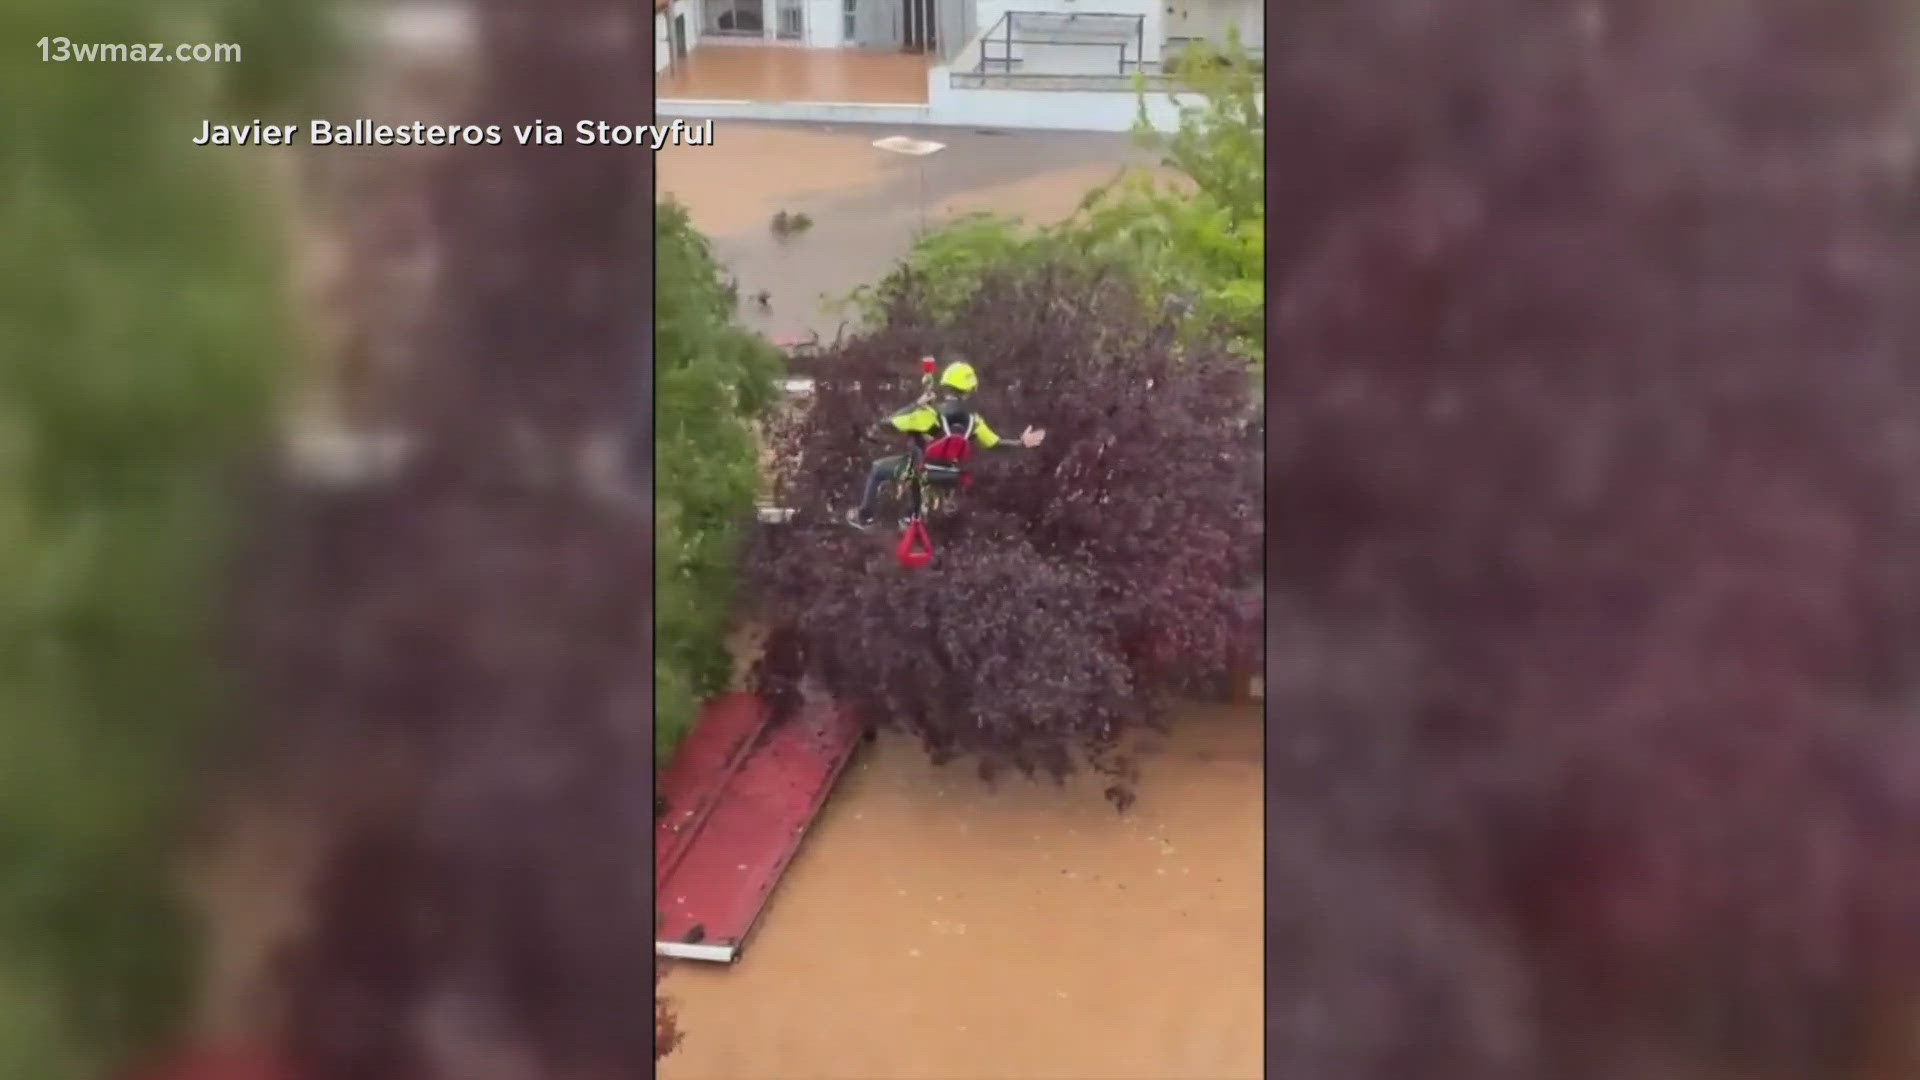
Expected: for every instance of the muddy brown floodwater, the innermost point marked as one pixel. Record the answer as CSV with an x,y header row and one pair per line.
x,y
866,204
934,927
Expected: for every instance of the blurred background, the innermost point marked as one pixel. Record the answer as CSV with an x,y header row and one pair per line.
x,y
320,502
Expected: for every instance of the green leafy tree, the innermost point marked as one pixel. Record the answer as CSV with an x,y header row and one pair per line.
x,y
712,380
141,331
1199,240
946,266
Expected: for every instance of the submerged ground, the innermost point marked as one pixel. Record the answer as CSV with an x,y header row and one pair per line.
x,y
866,204
933,928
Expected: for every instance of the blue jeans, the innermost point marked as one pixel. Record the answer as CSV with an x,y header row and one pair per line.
x,y
884,470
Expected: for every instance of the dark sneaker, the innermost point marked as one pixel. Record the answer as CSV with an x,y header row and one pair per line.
x,y
854,519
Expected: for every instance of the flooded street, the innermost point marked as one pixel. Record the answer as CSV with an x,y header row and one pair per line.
x,y
866,204
935,928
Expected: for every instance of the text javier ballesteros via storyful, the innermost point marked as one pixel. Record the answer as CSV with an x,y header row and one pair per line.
x,y
363,132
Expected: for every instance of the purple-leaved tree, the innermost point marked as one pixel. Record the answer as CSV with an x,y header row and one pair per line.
x,y
1075,584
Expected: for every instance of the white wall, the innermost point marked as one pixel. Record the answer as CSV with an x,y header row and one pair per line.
x,y
1046,110
690,9
1210,18
824,23
663,32
824,112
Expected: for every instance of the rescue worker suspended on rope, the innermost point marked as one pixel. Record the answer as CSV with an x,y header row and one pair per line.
x,y
945,429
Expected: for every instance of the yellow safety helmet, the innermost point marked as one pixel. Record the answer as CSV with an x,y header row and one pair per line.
x,y
960,376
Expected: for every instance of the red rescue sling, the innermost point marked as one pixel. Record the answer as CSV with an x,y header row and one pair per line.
x,y
916,547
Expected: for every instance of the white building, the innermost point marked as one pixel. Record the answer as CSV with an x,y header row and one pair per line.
x,y
1058,64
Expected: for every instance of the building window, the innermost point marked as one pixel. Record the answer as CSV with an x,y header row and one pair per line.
x,y
742,18
846,21
790,20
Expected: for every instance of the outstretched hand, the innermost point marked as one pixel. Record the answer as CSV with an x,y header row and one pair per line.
x,y
1032,437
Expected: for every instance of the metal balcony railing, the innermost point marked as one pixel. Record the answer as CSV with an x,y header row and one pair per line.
x,y
1074,41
